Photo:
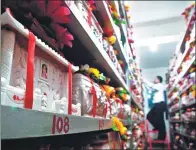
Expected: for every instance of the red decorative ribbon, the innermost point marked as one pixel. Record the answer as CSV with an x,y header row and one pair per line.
x,y
89,16
93,91
28,103
90,8
69,89
110,107
108,102
121,108
105,110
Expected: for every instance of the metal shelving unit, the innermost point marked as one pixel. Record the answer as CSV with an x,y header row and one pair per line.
x,y
23,124
184,136
80,28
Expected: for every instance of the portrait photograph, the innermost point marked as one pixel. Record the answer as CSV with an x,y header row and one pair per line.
x,y
44,69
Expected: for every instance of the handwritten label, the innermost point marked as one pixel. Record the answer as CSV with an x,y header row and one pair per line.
x,y
60,125
101,124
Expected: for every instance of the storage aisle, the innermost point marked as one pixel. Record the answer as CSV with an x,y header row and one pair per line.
x,y
182,88
71,78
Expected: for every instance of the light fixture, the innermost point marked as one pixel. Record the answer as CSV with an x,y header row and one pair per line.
x,y
153,47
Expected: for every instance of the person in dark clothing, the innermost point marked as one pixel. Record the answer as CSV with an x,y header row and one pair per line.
x,y
156,114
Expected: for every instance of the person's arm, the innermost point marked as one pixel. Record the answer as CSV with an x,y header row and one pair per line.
x,y
152,85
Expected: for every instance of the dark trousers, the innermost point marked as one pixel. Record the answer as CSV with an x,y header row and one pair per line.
x,y
156,118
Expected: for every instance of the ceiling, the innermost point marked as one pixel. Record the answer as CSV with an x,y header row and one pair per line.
x,y
157,23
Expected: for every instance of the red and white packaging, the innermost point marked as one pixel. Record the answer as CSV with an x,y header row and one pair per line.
x,y
92,103
33,75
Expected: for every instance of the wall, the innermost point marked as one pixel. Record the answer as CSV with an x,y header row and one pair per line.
x,y
151,73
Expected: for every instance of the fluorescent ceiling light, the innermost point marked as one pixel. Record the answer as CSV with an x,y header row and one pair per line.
x,y
158,40
153,47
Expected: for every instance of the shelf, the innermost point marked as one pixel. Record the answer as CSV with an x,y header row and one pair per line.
x,y
26,123
181,43
185,135
138,142
174,111
134,100
184,121
17,123
180,62
81,29
138,122
105,13
184,106
181,75
175,121
7,19
180,93
186,88
172,100
193,102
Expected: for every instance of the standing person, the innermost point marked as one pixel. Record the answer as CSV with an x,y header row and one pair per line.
x,y
156,114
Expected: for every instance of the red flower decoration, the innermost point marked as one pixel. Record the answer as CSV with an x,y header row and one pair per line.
x,y
108,32
130,41
58,13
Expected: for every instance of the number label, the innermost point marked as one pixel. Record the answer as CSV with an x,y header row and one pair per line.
x,y
60,125
101,124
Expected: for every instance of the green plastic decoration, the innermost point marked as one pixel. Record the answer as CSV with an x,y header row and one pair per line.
x,y
124,137
102,77
114,128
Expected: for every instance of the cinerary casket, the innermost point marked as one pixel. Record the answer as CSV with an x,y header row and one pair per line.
x,y
90,101
50,74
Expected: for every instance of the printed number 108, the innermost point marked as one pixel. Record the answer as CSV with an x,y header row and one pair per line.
x,y
60,125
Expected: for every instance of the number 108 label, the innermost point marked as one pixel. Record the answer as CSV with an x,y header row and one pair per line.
x,y
60,125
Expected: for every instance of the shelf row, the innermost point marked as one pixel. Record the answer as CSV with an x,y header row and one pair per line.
x,y
85,34
182,43
104,10
182,121
191,103
81,29
181,88
181,92
185,135
19,123
182,74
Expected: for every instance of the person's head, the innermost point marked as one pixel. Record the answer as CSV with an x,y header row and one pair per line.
x,y
44,68
158,79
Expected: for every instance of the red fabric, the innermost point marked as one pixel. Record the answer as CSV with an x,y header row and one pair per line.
x,y
93,91
90,8
70,89
59,14
121,107
108,32
110,107
28,103
89,17
105,110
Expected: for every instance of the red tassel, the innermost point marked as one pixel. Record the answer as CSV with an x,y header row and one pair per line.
x,y
89,17
93,91
70,89
28,103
